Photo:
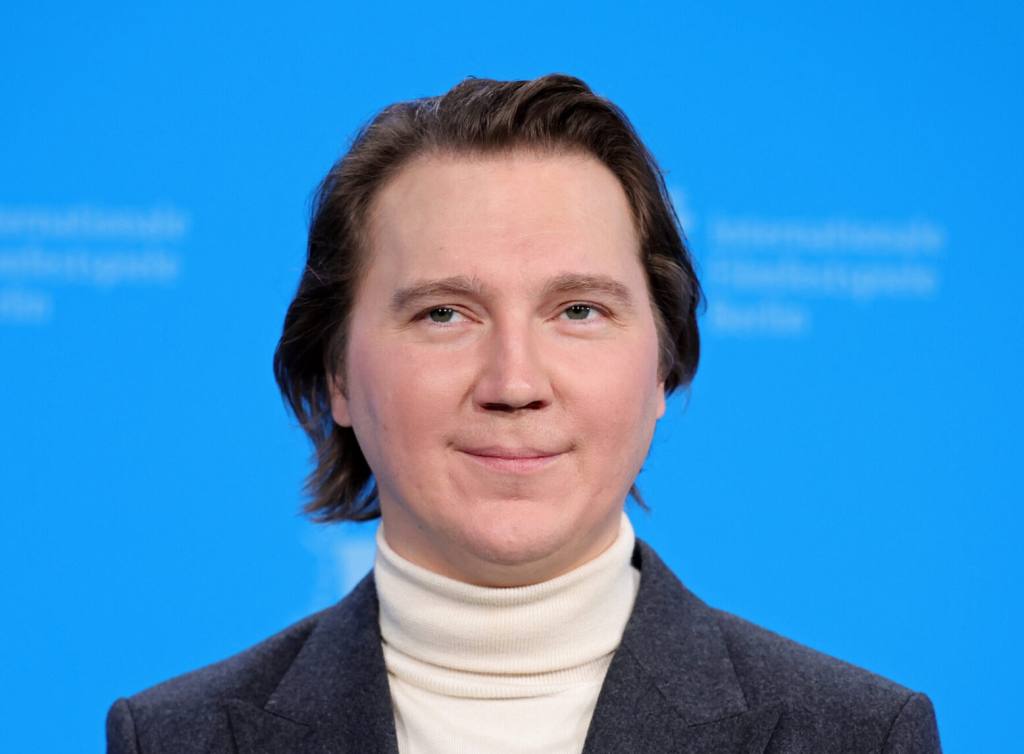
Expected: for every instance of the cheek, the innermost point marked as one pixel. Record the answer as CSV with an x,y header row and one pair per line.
x,y
398,398
622,398
629,396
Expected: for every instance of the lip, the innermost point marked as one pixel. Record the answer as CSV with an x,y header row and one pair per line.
x,y
512,460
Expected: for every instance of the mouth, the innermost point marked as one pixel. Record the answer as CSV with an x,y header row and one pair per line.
x,y
512,460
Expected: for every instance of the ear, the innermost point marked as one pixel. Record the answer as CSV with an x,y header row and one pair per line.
x,y
339,402
661,399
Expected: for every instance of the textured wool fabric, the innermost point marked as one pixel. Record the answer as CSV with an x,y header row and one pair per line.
x,y
510,670
686,679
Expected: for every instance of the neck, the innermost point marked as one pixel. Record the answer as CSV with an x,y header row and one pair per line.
x,y
553,627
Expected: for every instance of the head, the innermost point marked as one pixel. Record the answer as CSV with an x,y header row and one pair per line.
x,y
496,301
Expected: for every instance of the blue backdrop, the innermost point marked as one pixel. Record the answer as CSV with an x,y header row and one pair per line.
x,y
843,472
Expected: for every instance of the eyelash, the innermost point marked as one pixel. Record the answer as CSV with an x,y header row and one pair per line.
x,y
425,315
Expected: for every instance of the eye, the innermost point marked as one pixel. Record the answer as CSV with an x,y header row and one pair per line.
x,y
442,315
580,312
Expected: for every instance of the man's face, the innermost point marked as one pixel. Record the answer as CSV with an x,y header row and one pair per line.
x,y
502,364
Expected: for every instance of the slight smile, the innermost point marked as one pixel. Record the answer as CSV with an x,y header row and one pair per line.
x,y
512,460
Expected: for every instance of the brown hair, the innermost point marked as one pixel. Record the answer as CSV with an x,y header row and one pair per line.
x,y
555,113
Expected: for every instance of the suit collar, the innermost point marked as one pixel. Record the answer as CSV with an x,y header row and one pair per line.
x,y
334,696
670,686
670,630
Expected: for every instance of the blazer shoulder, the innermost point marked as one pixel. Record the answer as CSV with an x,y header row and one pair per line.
x,y
712,665
195,712
250,674
776,668
187,713
821,691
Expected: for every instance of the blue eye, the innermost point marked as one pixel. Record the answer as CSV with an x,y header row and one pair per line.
x,y
442,315
579,311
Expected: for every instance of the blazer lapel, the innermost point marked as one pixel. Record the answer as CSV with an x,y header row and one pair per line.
x,y
671,685
334,697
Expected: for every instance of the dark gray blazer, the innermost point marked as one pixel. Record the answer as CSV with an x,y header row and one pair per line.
x,y
686,678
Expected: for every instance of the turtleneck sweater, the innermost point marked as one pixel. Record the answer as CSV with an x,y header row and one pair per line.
x,y
518,669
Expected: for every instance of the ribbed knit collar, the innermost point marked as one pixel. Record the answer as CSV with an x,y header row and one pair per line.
x,y
468,640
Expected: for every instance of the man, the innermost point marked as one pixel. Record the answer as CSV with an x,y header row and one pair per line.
x,y
496,302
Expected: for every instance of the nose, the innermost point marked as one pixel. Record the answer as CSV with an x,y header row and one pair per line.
x,y
512,374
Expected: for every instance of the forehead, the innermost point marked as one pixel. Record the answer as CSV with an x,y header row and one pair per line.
x,y
522,208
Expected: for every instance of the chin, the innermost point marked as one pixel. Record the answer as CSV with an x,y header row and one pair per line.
x,y
511,552
522,544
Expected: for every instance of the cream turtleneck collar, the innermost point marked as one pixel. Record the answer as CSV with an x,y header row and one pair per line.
x,y
460,640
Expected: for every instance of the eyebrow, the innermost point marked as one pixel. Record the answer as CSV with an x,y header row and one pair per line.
x,y
575,283
457,285
461,285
